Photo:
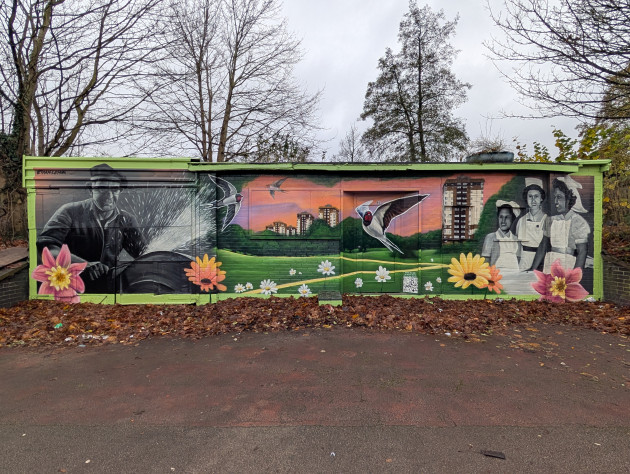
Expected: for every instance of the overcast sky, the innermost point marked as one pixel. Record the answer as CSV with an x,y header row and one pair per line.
x,y
342,41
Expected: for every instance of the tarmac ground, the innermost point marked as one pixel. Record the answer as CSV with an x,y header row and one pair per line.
x,y
542,398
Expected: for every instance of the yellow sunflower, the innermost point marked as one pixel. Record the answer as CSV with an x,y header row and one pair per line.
x,y
206,273
469,270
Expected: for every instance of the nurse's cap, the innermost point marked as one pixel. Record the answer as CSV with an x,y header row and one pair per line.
x,y
516,209
574,186
534,182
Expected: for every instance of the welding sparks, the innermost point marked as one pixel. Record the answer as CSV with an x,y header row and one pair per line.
x,y
173,218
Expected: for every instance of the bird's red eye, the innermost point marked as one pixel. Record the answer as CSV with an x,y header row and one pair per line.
x,y
367,217
239,197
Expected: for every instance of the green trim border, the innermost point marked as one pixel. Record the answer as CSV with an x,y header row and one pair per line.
x,y
563,167
32,162
598,221
150,299
594,168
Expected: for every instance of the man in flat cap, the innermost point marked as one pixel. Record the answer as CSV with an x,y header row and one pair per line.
x,y
95,230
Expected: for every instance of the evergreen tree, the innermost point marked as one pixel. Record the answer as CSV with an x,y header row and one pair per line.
x,y
411,102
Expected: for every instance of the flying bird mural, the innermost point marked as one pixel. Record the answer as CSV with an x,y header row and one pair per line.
x,y
231,200
273,187
375,223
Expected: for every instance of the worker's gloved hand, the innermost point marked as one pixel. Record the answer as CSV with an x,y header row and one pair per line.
x,y
95,270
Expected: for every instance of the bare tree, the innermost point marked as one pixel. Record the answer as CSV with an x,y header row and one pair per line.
x,y
488,141
228,81
350,147
568,55
277,149
67,69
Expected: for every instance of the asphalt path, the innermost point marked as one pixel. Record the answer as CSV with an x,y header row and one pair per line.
x,y
540,398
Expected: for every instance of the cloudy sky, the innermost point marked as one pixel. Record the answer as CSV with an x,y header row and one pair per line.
x,y
342,41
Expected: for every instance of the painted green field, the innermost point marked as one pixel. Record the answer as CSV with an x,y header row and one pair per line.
x,y
425,277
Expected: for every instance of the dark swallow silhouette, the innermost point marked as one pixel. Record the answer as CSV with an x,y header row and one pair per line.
x,y
231,200
375,223
273,187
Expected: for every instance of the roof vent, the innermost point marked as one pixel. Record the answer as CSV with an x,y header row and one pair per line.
x,y
491,157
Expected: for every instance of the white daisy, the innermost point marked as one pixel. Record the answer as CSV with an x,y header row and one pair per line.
x,y
304,290
239,288
326,268
431,259
249,286
428,286
358,282
382,274
438,279
268,287
292,272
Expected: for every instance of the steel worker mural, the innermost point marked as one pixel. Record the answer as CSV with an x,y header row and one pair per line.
x,y
121,229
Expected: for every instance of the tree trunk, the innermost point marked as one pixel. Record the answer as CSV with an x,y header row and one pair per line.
x,y
228,106
423,149
224,125
28,75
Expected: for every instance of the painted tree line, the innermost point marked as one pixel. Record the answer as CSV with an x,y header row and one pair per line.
x,y
214,79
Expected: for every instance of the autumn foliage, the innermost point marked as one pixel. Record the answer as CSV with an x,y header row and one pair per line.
x,y
41,323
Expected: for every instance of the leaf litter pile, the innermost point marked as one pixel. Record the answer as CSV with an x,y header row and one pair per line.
x,y
41,322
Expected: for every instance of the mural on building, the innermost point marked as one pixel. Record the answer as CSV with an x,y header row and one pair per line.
x,y
102,230
230,200
95,230
462,206
133,231
376,223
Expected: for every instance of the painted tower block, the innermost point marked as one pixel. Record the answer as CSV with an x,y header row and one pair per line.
x,y
329,214
174,230
462,206
304,221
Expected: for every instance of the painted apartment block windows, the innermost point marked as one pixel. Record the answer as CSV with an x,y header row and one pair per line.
x,y
304,221
462,206
329,214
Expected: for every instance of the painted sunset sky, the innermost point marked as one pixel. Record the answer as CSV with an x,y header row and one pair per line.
x,y
260,209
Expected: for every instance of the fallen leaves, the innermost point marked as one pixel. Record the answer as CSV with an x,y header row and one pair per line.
x,y
36,322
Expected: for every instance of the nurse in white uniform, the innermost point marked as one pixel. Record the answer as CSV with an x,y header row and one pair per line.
x,y
566,233
569,231
501,247
529,228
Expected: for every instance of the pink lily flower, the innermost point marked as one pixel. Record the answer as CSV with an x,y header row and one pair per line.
x,y
560,285
60,277
542,285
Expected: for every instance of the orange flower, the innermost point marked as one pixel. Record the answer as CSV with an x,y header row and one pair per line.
x,y
206,274
493,281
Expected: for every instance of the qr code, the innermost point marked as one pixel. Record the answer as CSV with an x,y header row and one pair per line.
x,y
410,283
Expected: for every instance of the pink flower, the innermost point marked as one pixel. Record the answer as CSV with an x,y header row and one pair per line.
x,y
542,285
60,277
560,285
